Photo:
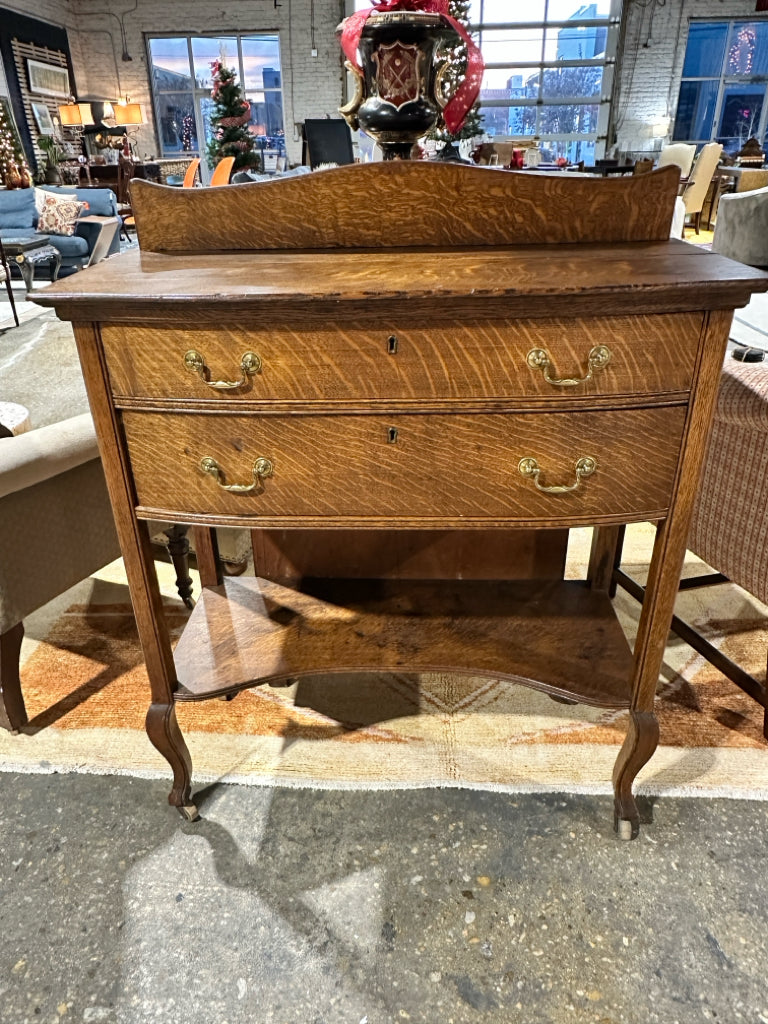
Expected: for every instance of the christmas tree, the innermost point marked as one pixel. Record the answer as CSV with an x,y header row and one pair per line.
x,y
456,56
230,119
14,170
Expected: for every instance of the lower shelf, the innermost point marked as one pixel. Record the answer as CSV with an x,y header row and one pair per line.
x,y
559,636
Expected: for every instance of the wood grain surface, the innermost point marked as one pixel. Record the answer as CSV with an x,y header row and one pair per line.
x,y
544,634
291,556
439,466
437,286
403,204
353,361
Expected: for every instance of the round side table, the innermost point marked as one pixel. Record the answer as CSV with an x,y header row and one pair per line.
x,y
14,417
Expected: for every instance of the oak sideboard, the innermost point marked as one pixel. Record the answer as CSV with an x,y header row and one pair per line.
x,y
378,351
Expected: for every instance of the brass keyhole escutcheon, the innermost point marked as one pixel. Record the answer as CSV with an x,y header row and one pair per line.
x,y
392,435
392,344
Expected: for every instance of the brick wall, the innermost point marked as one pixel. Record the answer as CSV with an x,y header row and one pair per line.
x,y
652,60
312,86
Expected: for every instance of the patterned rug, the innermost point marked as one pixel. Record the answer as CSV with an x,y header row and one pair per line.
x,y
87,693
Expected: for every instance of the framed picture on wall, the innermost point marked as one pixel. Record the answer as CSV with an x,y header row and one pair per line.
x,y
48,79
43,118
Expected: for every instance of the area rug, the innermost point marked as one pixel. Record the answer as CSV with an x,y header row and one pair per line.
x,y
87,693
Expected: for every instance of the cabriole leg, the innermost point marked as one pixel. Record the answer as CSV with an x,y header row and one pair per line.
x,y
641,741
165,735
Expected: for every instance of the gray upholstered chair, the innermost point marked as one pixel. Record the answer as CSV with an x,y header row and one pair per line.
x,y
56,528
730,521
741,229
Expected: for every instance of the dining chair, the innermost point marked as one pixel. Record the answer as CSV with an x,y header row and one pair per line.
x,y
189,174
679,153
699,181
125,172
222,171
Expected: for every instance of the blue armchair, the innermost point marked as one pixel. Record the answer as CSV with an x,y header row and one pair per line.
x,y
18,219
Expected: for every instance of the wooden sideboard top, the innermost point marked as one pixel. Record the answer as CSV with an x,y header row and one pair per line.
x,y
410,239
531,280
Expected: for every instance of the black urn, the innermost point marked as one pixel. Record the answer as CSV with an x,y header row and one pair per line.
x,y
399,96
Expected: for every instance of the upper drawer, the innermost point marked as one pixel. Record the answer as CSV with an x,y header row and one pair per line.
x,y
406,467
350,361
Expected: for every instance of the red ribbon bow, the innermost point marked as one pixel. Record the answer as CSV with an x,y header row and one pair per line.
x,y
464,98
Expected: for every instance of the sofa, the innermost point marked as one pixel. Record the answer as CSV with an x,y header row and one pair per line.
x,y
19,216
741,228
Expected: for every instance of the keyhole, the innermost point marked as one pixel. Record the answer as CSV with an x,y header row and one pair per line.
x,y
392,344
392,435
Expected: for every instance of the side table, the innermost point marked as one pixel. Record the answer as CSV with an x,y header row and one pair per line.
x,y
14,417
26,253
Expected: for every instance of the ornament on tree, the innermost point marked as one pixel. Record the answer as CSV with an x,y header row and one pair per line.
x,y
229,122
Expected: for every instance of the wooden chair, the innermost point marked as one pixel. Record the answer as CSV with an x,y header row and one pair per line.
x,y
5,276
125,172
642,166
696,190
191,173
222,171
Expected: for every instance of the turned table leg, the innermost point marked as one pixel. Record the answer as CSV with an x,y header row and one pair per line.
x,y
178,549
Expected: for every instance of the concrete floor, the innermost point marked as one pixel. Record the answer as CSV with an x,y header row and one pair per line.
x,y
431,906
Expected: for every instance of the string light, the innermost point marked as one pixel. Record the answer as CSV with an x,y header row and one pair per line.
x,y
741,55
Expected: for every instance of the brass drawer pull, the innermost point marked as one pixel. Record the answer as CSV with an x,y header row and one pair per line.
x,y
585,467
597,360
249,364
261,468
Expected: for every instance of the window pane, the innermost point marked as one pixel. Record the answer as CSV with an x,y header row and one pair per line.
x,y
740,115
170,64
568,119
705,50
563,10
177,129
510,83
502,11
748,49
261,63
573,151
509,46
578,43
695,111
509,120
205,50
571,82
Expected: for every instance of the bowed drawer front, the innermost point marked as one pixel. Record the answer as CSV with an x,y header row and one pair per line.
x,y
407,361
515,467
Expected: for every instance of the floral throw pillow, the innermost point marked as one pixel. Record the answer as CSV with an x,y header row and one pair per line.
x,y
59,216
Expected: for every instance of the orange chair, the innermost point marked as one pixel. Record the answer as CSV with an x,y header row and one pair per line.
x,y
189,176
222,171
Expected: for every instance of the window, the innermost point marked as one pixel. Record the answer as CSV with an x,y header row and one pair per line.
x,y
548,71
723,87
181,90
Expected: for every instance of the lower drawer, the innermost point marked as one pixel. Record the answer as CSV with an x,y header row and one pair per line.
x,y
406,467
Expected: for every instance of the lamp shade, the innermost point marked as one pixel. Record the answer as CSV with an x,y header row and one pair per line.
x,y
128,113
